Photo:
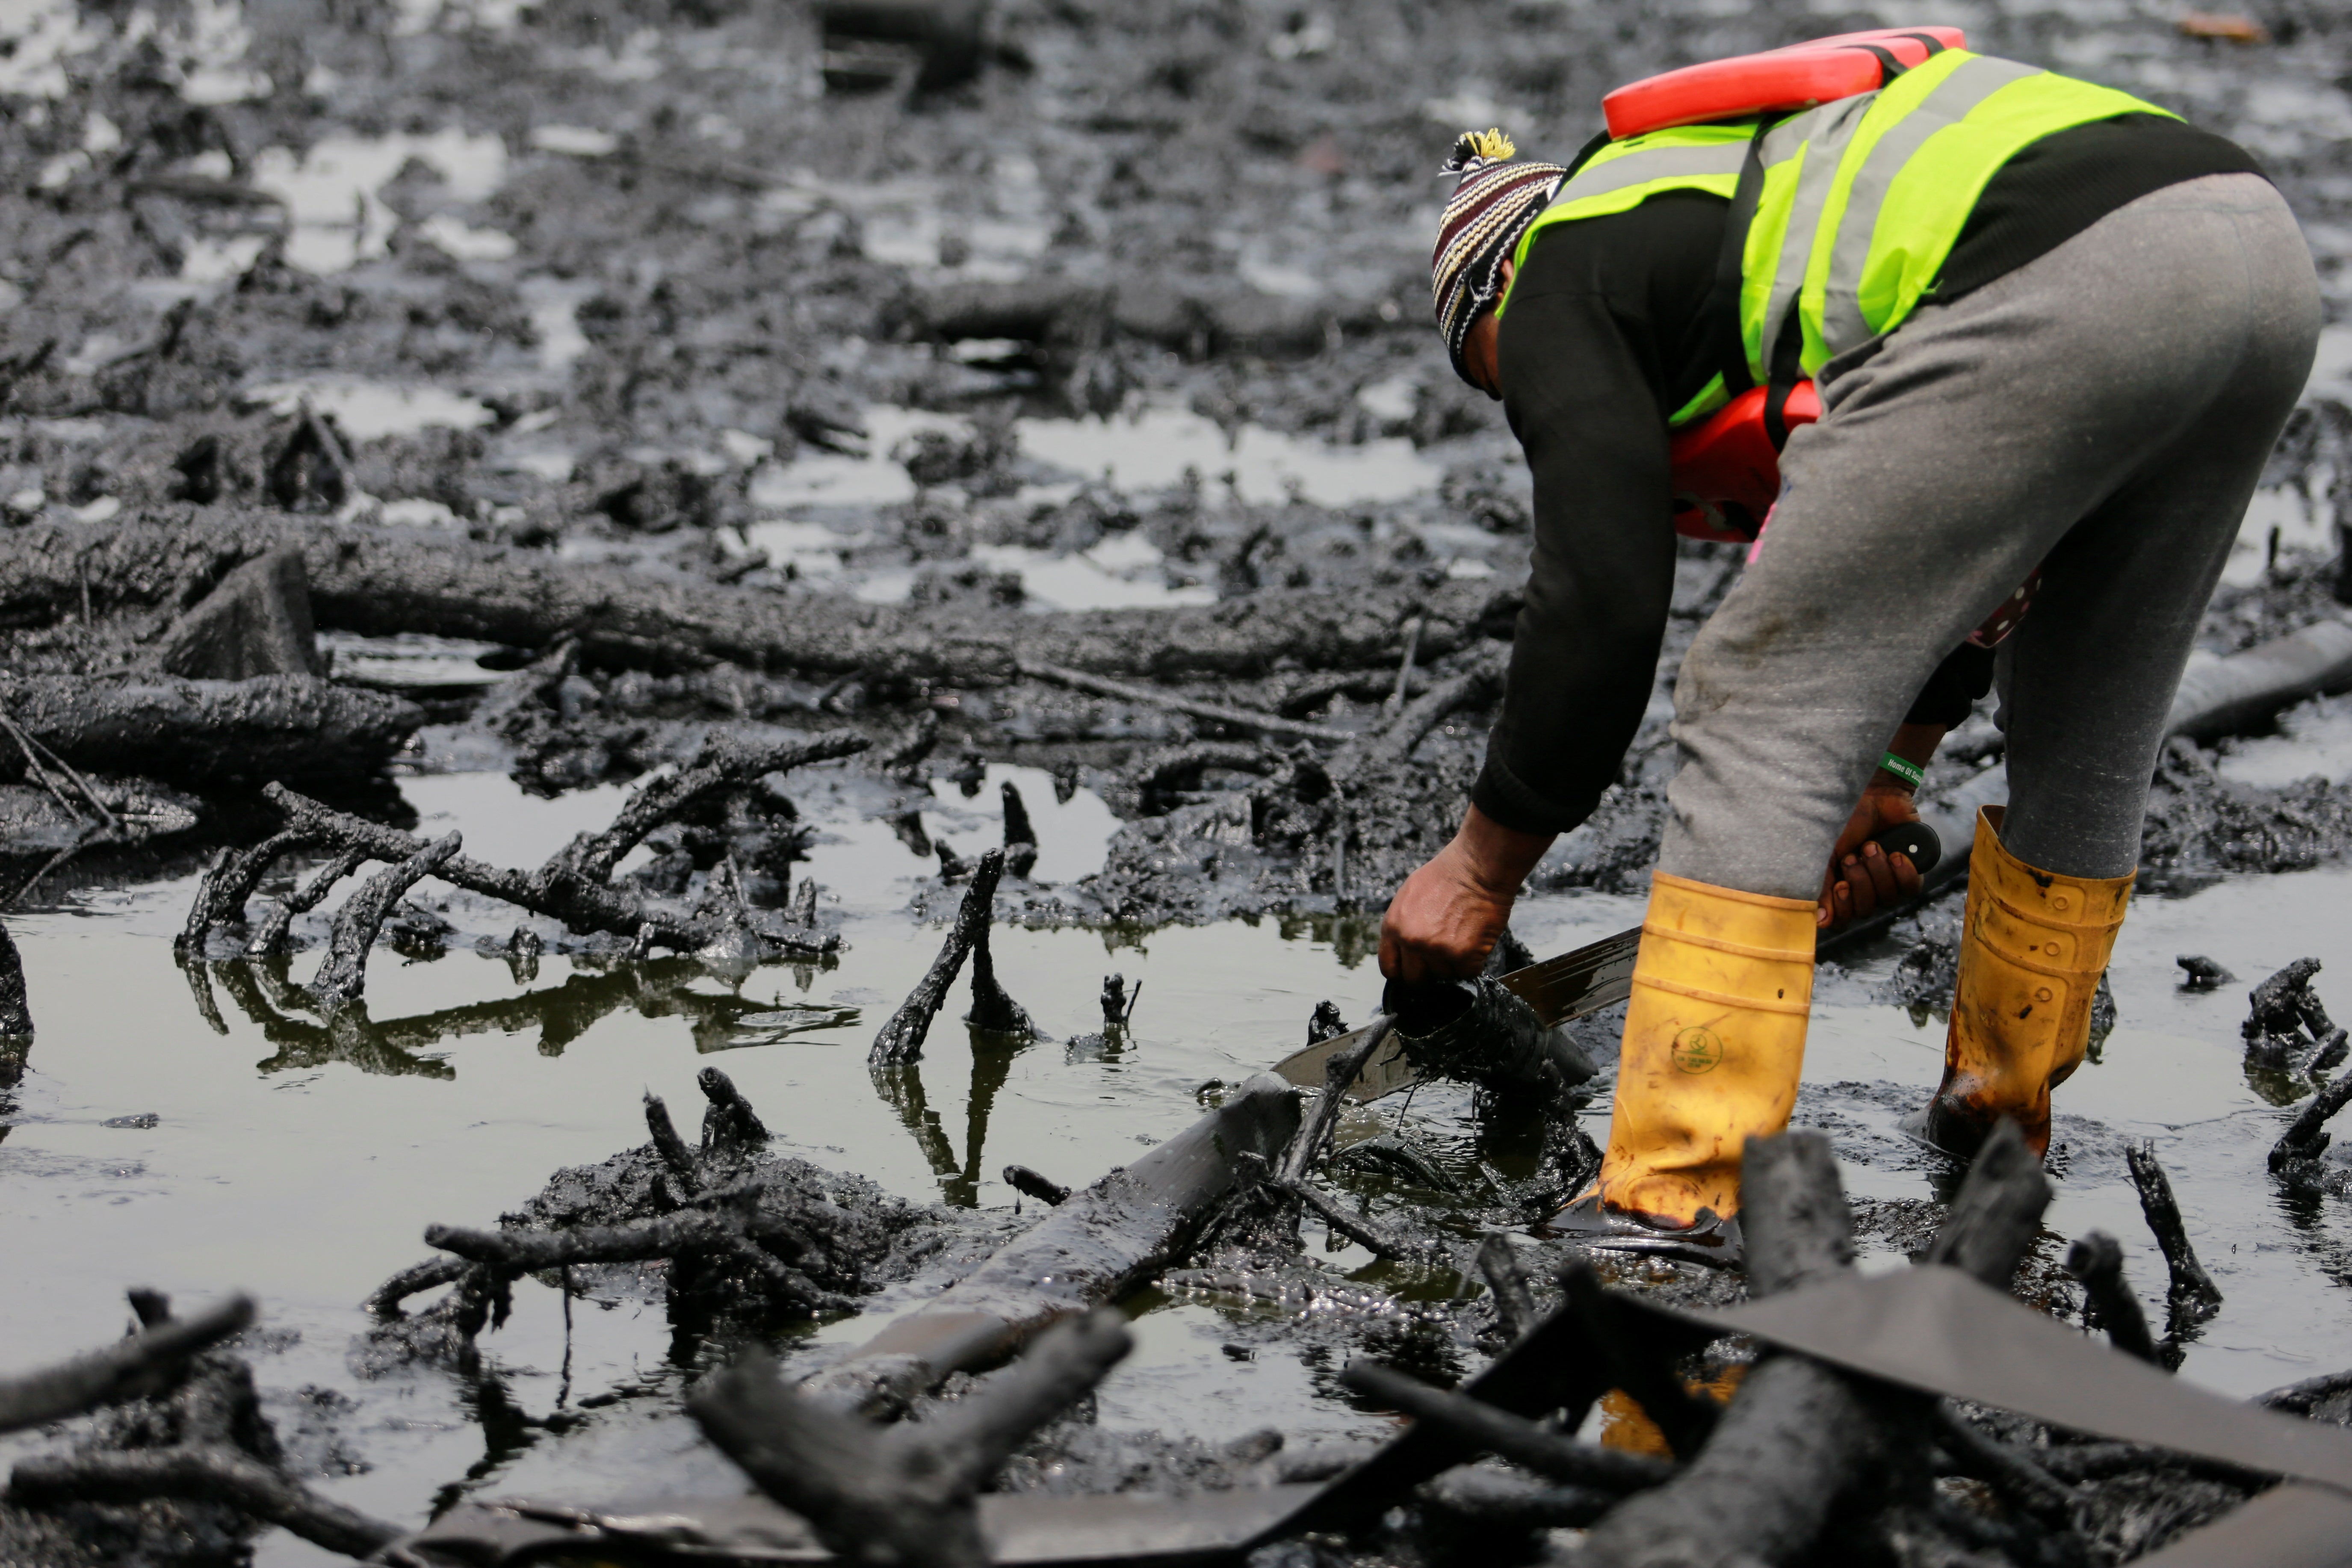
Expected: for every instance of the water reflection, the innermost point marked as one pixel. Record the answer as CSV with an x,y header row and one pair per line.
x,y
290,1018
901,1088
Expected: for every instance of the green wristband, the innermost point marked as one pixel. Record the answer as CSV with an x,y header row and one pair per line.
x,y
1903,768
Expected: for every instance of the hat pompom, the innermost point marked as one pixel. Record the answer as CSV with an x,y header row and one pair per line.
x,y
1474,150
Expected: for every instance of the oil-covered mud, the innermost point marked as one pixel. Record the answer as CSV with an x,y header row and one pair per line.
x,y
624,374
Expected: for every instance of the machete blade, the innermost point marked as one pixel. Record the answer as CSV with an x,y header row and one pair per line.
x,y
1559,989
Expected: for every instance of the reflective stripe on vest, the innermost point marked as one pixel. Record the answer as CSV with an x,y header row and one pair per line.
x,y
1862,198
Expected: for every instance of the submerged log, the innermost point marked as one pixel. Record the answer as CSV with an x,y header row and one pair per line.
x,y
1099,1244
208,731
380,581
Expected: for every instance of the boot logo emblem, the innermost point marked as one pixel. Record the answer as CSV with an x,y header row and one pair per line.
x,y
1697,1051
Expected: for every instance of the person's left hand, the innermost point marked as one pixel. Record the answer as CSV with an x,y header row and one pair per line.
x,y
1863,878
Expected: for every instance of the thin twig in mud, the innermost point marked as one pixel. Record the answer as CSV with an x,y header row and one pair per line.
x,y
2192,1292
210,1473
1339,1073
343,976
725,1226
385,1300
136,1366
902,1494
2097,1261
1487,1430
1240,718
900,1040
1395,703
1252,1174
1514,1304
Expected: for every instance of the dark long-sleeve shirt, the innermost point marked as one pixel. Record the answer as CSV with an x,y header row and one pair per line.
x,y
1604,319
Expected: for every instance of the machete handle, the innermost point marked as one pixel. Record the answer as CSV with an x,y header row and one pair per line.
x,y
1916,839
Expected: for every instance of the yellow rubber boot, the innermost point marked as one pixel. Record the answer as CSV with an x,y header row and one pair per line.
x,y
1715,1042
2032,947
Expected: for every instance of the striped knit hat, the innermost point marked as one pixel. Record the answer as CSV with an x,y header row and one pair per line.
x,y
1489,212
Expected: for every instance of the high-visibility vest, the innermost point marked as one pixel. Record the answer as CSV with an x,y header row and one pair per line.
x,y
1845,213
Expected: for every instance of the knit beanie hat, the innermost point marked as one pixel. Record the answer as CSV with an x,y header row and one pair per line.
x,y
1484,221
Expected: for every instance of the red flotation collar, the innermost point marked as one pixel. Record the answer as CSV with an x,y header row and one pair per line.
x,y
1778,82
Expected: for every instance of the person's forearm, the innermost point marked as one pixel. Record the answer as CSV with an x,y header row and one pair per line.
x,y
1498,859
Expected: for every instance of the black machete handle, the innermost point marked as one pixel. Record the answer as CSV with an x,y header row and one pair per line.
x,y
1916,839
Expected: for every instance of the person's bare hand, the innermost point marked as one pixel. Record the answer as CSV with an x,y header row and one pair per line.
x,y
1863,878
1446,920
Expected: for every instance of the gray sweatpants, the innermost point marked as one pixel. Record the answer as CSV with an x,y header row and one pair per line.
x,y
2103,412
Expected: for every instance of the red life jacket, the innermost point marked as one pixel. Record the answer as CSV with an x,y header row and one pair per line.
x,y
1727,469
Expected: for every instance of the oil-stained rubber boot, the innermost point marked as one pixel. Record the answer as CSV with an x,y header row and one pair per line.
x,y
1715,1042
2032,947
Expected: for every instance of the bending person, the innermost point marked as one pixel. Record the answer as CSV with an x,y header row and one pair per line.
x,y
2055,332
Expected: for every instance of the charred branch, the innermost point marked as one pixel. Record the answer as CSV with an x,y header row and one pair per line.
x,y
670,1146
1339,1073
343,976
2191,1291
1997,1213
723,763
138,1366
2097,1261
230,883
269,937
730,1125
208,1474
2020,1482
1150,697
903,1494
1484,1429
1030,1184
901,1039
208,731
1020,838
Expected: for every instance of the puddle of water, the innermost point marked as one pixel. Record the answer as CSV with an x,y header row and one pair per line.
x,y
1122,572
367,409
573,141
1153,451
331,192
836,479
410,660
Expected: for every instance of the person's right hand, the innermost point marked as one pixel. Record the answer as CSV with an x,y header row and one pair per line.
x,y
1446,918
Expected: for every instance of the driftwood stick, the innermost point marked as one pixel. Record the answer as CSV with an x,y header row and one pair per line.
x,y
672,1148
2192,1290
343,976
1998,1211
722,762
385,1300
2306,1137
687,1233
222,893
1240,718
901,1039
2097,1261
1514,1304
1484,1427
209,1474
139,1366
904,1494
1339,1072
269,937
1356,1228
